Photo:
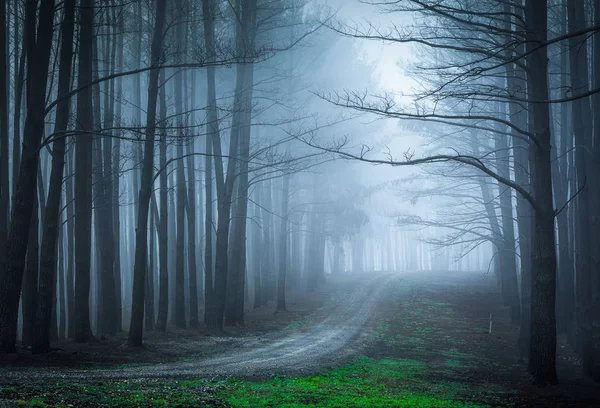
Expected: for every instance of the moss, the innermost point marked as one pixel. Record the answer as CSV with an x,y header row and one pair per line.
x,y
365,382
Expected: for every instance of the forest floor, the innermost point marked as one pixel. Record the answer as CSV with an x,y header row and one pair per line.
x,y
403,340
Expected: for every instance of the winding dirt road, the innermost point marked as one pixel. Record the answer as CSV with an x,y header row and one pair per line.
x,y
322,343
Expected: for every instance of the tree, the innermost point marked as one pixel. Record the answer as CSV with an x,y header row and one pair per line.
x,y
141,236
38,28
83,172
47,280
163,237
4,186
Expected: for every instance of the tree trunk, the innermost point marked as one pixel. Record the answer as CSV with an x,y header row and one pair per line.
x,y
212,135
70,245
582,130
62,304
267,263
542,350
163,229
256,251
141,235
30,278
283,249
50,229
566,284
19,61
180,319
24,197
149,298
593,366
4,90
516,80
508,247
191,227
116,175
83,171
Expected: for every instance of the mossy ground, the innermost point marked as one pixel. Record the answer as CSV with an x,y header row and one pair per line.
x,y
429,347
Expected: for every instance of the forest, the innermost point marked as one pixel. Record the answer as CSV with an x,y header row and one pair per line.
x,y
300,203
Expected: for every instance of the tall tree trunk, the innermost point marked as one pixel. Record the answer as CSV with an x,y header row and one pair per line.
x,y
163,229
116,172
508,248
237,271
70,245
582,130
83,171
39,47
268,261
62,304
256,251
542,350
180,312
149,297
30,278
516,80
283,249
191,227
180,318
20,62
593,366
566,283
50,229
141,235
4,90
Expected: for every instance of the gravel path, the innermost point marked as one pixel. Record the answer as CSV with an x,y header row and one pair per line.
x,y
293,350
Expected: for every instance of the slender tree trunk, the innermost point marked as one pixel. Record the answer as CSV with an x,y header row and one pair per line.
x,y
20,62
163,230
116,174
516,79
83,171
582,130
149,297
283,249
62,327
267,263
4,139
593,367
191,227
30,278
70,246
141,236
256,257
566,283
180,318
508,247
50,230
237,272
23,201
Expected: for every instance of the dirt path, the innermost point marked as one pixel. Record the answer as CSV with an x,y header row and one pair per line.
x,y
324,341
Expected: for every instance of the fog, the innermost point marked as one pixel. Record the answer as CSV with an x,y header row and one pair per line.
x,y
250,188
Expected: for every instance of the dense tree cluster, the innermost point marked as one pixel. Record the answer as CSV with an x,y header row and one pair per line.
x,y
146,181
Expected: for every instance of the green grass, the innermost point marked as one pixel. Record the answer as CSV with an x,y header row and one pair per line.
x,y
364,383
